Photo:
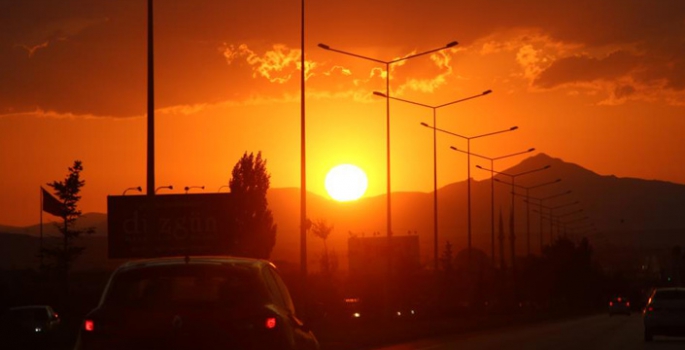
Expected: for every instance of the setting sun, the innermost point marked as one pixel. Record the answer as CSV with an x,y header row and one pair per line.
x,y
346,182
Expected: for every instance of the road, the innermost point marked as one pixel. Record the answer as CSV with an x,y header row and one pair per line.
x,y
587,333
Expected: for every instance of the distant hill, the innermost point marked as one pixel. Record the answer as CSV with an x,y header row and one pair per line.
x,y
626,219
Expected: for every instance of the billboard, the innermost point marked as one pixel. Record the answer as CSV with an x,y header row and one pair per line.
x,y
168,225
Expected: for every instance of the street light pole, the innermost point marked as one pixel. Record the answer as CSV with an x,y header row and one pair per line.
x,y
551,217
527,196
468,172
139,189
540,201
387,110
387,134
492,190
188,188
512,228
435,159
170,187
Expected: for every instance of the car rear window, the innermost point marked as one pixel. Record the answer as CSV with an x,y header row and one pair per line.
x,y
192,285
674,294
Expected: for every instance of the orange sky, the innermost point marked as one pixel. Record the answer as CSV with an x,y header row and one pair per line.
x,y
600,84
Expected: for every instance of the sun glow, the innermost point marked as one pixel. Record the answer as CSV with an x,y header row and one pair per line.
x,y
346,182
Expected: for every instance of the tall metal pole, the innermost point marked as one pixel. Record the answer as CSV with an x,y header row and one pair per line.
x,y
387,145
150,104
492,210
303,171
528,221
435,161
468,195
435,193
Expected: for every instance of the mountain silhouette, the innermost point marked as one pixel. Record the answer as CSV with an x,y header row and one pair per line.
x,y
627,220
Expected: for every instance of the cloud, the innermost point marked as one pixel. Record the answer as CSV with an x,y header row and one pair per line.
x,y
32,49
584,68
277,65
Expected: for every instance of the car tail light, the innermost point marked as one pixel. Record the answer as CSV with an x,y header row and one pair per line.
x,y
611,303
627,303
89,325
270,323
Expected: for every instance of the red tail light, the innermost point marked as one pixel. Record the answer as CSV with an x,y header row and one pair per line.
x,y
627,303
270,323
89,325
611,303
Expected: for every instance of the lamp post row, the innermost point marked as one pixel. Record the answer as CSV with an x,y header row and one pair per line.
x,y
435,160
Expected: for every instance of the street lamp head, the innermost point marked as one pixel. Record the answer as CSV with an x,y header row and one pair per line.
x,y
424,124
531,149
487,92
454,148
479,167
454,43
324,46
513,128
378,93
547,166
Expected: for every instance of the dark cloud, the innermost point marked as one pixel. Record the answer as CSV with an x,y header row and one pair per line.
x,y
587,69
89,57
624,91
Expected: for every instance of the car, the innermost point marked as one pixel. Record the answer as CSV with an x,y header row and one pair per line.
x,y
619,305
29,325
664,313
195,302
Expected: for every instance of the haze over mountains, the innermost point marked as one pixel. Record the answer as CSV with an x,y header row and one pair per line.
x,y
627,220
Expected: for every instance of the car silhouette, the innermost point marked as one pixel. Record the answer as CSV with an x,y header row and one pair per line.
x,y
27,326
664,313
619,306
214,302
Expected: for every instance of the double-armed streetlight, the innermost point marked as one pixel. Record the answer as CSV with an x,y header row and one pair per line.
x,y
139,189
527,200
540,204
560,231
573,221
492,190
551,216
468,171
188,188
435,158
387,109
170,187
512,216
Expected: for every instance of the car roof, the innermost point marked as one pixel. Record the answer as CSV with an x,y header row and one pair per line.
x,y
27,307
193,260
670,288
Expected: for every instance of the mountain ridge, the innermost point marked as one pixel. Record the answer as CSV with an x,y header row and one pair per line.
x,y
611,206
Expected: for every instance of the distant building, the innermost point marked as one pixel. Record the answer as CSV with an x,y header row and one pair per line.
x,y
368,256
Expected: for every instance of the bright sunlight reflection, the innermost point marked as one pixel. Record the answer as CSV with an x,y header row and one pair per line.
x,y
346,182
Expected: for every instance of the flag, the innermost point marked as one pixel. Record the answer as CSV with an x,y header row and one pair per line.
x,y
51,204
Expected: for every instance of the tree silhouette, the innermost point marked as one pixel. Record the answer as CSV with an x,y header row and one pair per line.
x,y
67,191
320,228
254,221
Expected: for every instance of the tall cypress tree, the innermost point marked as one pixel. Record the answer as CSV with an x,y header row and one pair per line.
x,y
256,231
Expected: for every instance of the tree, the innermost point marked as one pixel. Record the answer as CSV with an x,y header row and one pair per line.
x,y
321,229
67,191
254,221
